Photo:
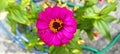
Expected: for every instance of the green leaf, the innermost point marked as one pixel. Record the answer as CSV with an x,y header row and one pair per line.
x,y
13,25
33,38
91,12
40,47
102,27
75,45
30,46
110,7
90,34
85,17
91,16
86,24
33,8
3,4
51,49
60,50
11,1
17,14
74,42
33,12
77,35
90,3
95,9
118,20
41,8
109,19
25,3
34,41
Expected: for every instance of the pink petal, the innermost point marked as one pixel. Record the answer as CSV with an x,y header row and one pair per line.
x,y
60,35
41,25
71,29
41,16
56,11
46,36
67,34
65,13
70,21
49,13
65,41
56,41
48,10
49,39
43,33
44,17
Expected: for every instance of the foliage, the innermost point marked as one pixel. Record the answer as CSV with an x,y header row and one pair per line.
x,y
90,17
3,4
25,14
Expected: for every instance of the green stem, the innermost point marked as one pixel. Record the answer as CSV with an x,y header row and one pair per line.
x,y
90,48
70,4
111,44
104,49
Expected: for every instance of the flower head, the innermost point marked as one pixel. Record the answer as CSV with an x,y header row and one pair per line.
x,y
100,1
56,25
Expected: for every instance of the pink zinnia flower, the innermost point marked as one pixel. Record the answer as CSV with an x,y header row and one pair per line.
x,y
56,25
100,1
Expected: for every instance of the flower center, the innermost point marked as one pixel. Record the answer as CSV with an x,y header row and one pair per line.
x,y
55,25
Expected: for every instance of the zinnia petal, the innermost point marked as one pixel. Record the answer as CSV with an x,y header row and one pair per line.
x,y
56,11
45,34
41,16
41,25
71,29
56,41
68,34
60,35
49,41
65,13
48,14
70,21
65,41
